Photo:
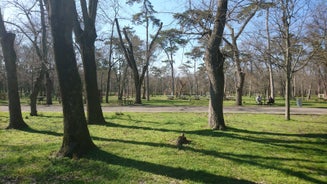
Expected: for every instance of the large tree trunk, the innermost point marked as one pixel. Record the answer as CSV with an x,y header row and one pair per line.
x,y
76,140
239,87
93,104
138,88
216,116
86,38
214,64
240,75
7,42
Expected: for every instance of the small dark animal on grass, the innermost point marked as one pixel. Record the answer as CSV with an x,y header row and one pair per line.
x,y
182,140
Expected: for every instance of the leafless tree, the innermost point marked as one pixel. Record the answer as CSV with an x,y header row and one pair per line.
x,y
77,140
85,37
7,43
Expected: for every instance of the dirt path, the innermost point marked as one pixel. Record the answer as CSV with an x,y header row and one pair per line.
x,y
252,109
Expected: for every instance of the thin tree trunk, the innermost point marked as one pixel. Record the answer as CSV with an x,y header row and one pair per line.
x,y
110,63
147,53
271,75
44,59
42,54
7,43
122,83
172,77
36,89
48,85
239,87
108,84
309,92
288,60
144,90
77,140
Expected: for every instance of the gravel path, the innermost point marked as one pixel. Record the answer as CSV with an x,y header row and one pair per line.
x,y
252,109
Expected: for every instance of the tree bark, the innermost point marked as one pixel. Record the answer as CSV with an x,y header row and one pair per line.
x,y
288,60
239,87
86,39
36,89
172,76
110,65
108,84
7,43
42,54
48,86
93,104
214,64
44,58
270,63
76,140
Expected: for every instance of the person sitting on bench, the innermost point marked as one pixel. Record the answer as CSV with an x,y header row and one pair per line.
x,y
258,99
270,100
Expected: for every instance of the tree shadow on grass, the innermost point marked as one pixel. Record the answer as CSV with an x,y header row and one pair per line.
x,y
255,160
322,136
31,130
163,170
234,133
129,118
41,115
116,125
278,140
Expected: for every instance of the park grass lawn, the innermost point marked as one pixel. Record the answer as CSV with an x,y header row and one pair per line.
x,y
162,100
139,148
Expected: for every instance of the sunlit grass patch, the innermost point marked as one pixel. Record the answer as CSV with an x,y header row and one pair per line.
x,y
140,148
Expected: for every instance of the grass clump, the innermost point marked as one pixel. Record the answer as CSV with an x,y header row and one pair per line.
x,y
140,148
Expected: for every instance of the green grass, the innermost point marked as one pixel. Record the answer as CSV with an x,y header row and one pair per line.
x,y
191,101
139,148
